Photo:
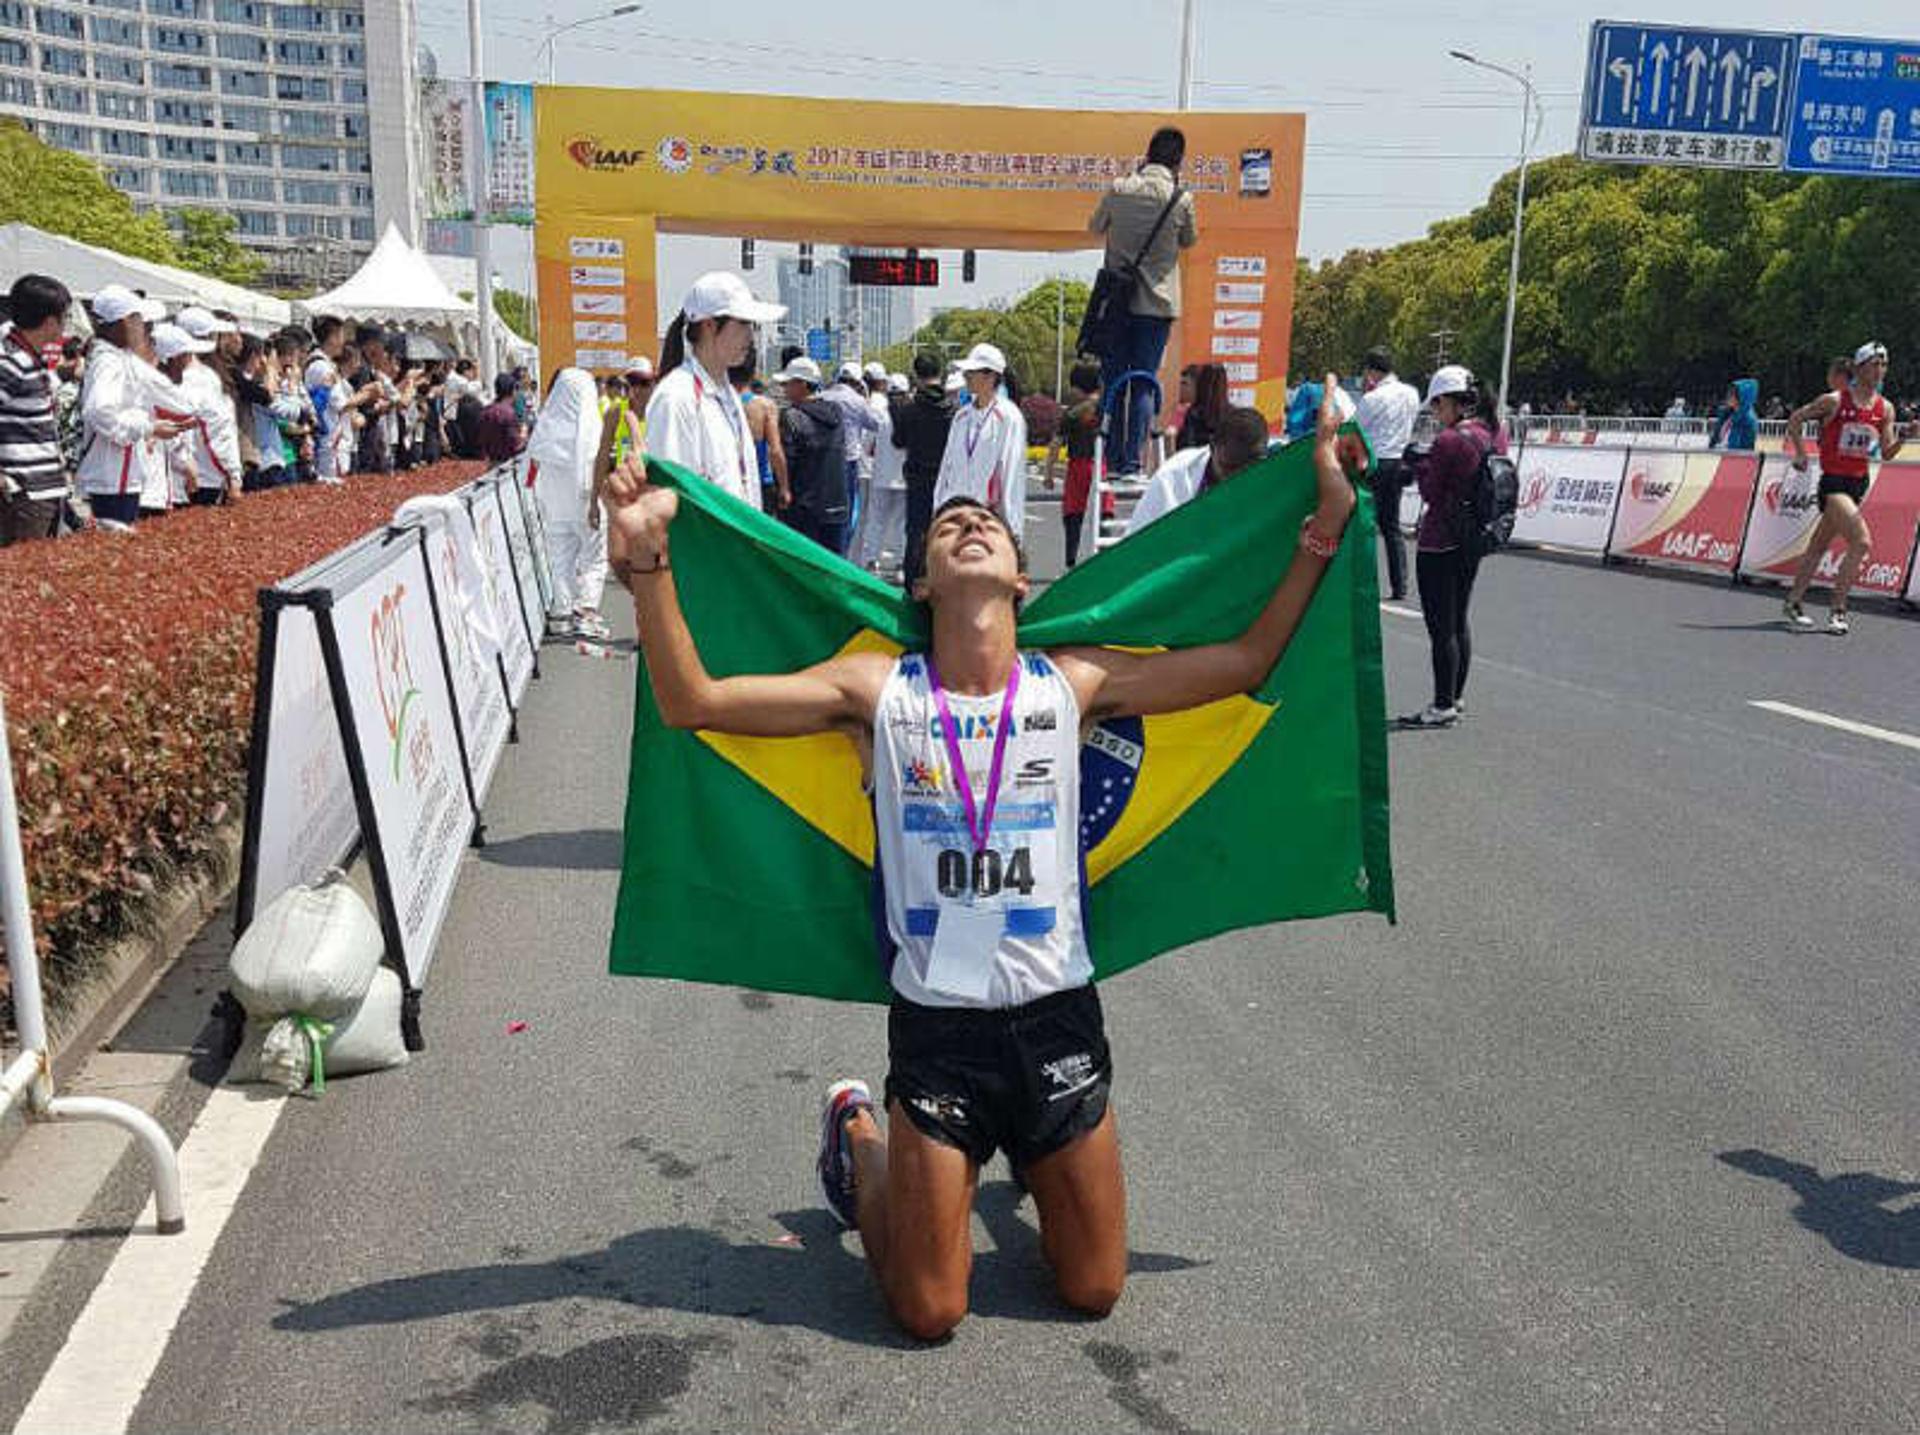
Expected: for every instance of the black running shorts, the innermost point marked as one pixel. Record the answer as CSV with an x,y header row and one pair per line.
x,y
1854,488
1027,1080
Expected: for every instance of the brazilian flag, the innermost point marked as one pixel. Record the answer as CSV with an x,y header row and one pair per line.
x,y
749,861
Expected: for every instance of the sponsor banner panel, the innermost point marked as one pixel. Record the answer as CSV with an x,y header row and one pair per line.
x,y
470,633
306,816
496,573
1684,508
1567,496
403,718
1786,511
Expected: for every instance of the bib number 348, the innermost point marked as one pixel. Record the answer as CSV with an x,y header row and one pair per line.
x,y
985,873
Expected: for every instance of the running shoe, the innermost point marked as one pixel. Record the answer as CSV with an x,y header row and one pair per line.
x,y
835,1164
1432,717
1837,623
1794,615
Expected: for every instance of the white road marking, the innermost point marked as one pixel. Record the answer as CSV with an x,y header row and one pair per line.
x,y
1400,610
1861,729
101,1373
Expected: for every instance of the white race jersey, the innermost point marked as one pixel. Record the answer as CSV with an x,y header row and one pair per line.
x,y
1012,915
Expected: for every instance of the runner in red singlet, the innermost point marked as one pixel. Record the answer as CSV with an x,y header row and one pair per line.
x,y
1853,419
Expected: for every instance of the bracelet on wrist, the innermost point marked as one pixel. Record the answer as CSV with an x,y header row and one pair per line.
x,y
1320,545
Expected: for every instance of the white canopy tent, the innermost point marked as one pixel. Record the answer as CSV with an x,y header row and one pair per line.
x,y
398,287
86,269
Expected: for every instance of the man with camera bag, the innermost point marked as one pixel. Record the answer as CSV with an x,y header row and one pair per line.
x,y
1147,219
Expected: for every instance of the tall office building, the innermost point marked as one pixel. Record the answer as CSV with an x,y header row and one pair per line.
x,y
879,315
301,121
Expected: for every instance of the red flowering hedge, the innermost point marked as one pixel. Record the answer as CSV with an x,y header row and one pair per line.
x,y
128,666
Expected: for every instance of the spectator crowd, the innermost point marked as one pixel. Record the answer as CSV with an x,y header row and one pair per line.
x,y
157,411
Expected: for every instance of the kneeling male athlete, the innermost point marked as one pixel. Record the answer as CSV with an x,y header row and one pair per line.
x,y
971,751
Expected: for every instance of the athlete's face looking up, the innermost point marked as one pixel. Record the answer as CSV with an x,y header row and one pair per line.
x,y
1870,375
968,544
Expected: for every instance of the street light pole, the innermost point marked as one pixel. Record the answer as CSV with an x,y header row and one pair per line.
x,y
554,32
1532,121
482,240
1059,335
1186,54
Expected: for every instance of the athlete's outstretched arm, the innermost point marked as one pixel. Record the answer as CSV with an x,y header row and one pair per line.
x,y
838,694
1115,684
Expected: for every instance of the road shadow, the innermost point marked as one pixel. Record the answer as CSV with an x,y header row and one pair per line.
x,y
589,849
808,1278
1849,1211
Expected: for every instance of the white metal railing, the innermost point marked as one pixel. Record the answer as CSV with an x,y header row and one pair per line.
x,y
28,1079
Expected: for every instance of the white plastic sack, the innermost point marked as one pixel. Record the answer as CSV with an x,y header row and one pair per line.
x,y
280,1052
314,950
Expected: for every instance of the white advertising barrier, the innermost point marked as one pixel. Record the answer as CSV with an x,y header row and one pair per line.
x,y
1782,517
403,742
1567,495
530,580
469,632
300,814
502,586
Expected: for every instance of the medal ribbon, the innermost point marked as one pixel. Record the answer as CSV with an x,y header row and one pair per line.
x,y
979,823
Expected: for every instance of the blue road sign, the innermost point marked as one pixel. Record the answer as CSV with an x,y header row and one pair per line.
x,y
1656,94
820,346
1856,108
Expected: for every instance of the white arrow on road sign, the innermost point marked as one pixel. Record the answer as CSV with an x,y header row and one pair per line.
x,y
1695,62
1623,72
1659,89
1729,64
1761,79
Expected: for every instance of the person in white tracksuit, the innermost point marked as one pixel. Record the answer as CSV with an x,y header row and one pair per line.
x,y
986,457
121,447
566,439
213,436
883,525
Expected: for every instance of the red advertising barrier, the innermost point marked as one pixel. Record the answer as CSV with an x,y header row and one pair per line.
x,y
1687,509
1785,511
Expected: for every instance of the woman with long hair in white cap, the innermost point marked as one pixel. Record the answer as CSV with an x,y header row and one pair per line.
x,y
566,439
695,418
986,457
123,444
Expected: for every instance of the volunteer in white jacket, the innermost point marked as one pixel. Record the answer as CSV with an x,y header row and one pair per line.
x,y
215,437
695,418
1240,440
120,446
986,457
566,437
883,527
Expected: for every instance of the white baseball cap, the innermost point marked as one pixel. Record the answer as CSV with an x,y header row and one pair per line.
x,y
202,324
876,371
849,370
113,302
801,369
170,341
1870,351
984,356
1450,379
953,383
722,295
640,364
897,384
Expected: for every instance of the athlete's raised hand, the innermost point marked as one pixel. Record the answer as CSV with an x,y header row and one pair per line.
x,y
640,512
1335,490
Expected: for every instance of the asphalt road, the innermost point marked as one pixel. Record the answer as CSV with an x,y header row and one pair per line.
x,y
1614,1131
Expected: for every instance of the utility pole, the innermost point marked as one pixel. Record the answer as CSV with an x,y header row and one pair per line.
x,y
482,240
1186,55
1059,336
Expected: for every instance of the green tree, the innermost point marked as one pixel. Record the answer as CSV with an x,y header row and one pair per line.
x,y
207,246
515,311
66,194
1025,331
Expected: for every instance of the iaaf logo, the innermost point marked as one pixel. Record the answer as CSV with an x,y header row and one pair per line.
x,y
1535,497
589,153
1778,500
392,669
1649,490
